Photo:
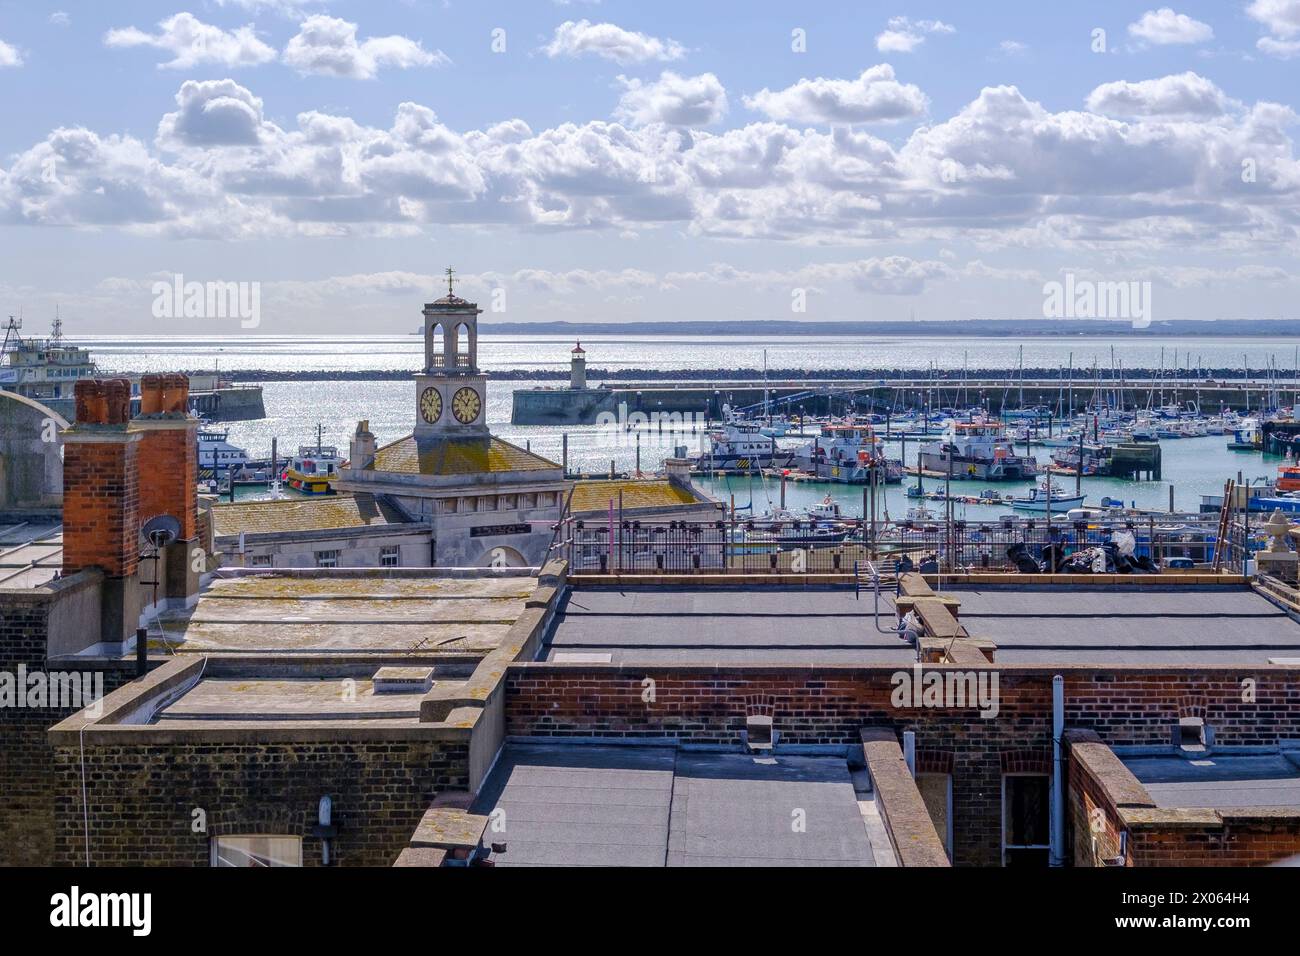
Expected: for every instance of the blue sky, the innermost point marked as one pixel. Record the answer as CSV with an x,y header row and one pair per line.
x,y
623,160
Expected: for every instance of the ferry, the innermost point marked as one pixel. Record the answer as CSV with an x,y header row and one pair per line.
x,y
1288,478
1047,495
977,450
848,453
44,369
314,469
740,447
216,453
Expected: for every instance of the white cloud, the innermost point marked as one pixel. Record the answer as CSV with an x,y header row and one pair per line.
x,y
1282,18
60,19
1185,94
673,99
1164,26
194,43
1002,172
1013,48
875,96
9,56
328,46
213,113
610,42
903,35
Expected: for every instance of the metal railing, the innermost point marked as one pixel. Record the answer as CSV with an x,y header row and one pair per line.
x,y
756,546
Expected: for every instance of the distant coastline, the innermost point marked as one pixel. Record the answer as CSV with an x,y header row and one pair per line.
x,y
1263,328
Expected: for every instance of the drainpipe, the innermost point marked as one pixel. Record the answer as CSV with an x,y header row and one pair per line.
x,y
909,751
1058,773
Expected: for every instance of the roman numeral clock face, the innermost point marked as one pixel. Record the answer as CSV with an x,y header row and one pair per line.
x,y
466,405
430,405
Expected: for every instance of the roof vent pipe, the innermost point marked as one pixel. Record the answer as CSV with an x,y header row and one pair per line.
x,y
1057,839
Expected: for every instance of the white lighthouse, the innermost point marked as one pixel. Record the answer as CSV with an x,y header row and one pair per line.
x,y
578,367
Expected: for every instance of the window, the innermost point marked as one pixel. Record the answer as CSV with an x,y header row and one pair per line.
x,y
390,557
1025,813
447,505
527,501
327,559
259,561
507,502
545,499
487,503
257,851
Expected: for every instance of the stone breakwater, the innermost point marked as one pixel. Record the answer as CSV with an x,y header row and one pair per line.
x,y
1082,378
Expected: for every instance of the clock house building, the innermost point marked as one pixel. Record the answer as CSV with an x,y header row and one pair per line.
x,y
488,502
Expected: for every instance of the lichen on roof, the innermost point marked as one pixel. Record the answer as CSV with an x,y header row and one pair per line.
x,y
303,514
456,456
638,493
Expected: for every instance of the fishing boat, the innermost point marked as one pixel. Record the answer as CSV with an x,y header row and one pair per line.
x,y
977,450
848,452
314,469
1047,495
1288,478
740,447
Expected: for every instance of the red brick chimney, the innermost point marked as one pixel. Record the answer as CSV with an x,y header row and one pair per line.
x,y
101,491
120,472
168,460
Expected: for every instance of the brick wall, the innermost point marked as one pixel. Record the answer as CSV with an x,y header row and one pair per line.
x,y
27,779
143,797
830,706
1105,800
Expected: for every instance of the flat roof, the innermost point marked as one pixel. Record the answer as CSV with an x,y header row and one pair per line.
x,y
374,612
589,805
31,554
1220,781
759,624
313,700
680,625
1187,625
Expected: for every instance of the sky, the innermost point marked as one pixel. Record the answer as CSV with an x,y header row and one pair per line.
x,y
609,160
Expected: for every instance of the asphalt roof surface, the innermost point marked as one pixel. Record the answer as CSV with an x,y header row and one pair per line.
x,y
682,626
770,625
1266,780
567,805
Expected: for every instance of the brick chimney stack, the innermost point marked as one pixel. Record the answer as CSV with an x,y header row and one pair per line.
x,y
118,473
101,500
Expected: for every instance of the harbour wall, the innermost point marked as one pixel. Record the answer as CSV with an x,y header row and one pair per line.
x,y
241,403
566,406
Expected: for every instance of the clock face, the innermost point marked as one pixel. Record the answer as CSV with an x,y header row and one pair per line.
x,y
466,405
430,405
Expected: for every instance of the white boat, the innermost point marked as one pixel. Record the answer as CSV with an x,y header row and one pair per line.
x,y
1047,495
848,452
217,453
977,450
740,446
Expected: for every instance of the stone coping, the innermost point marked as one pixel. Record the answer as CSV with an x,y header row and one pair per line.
x,y
805,670
907,820
124,715
1138,810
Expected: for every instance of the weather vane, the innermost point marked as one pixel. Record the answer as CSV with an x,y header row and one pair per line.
x,y
450,273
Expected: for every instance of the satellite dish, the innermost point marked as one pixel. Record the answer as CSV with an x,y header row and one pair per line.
x,y
161,530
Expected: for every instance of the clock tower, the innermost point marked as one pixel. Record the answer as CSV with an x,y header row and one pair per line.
x,y
451,392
